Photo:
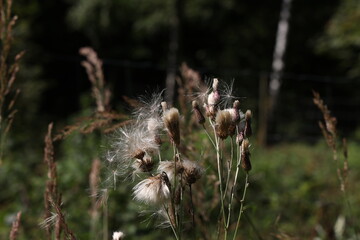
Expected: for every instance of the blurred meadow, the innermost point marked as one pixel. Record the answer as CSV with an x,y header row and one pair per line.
x,y
72,73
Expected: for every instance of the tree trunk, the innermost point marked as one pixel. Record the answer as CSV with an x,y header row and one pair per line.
x,y
173,52
278,58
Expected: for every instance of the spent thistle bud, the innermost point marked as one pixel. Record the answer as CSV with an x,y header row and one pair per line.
x,y
146,164
247,129
198,114
138,154
171,120
223,122
245,155
192,171
239,138
169,168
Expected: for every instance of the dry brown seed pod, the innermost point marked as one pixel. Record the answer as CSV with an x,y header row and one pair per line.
x,y
223,122
248,129
198,114
245,155
171,120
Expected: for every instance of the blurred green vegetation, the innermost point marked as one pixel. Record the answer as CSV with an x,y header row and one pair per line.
x,y
294,190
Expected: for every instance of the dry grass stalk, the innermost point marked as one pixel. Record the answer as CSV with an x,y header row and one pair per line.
x,y
15,227
329,131
329,128
52,199
94,179
8,72
189,83
105,121
93,66
51,183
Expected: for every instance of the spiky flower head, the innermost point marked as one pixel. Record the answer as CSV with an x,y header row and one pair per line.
x,y
153,190
171,118
223,122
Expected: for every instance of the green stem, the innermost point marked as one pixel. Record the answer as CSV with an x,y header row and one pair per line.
x,y
242,205
218,158
230,162
207,133
171,224
238,154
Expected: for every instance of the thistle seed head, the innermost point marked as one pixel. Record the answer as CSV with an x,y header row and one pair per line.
x,y
223,122
169,168
118,236
133,141
153,190
248,129
146,164
192,171
171,120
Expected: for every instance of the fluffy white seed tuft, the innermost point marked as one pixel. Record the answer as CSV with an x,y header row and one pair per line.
x,y
153,190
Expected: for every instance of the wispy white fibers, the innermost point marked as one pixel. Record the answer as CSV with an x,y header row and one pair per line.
x,y
153,190
127,143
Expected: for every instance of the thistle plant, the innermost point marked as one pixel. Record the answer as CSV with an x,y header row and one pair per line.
x,y
165,183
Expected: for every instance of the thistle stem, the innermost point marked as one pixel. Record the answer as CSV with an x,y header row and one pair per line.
x,y
238,154
218,158
242,204
207,133
171,224
230,162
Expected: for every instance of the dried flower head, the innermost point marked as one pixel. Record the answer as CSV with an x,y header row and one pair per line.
x,y
146,164
223,123
245,155
171,120
153,190
247,129
239,138
131,142
198,114
212,100
150,107
169,168
192,171
118,236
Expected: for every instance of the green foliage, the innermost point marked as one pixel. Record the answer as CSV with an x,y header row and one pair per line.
x,y
342,36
